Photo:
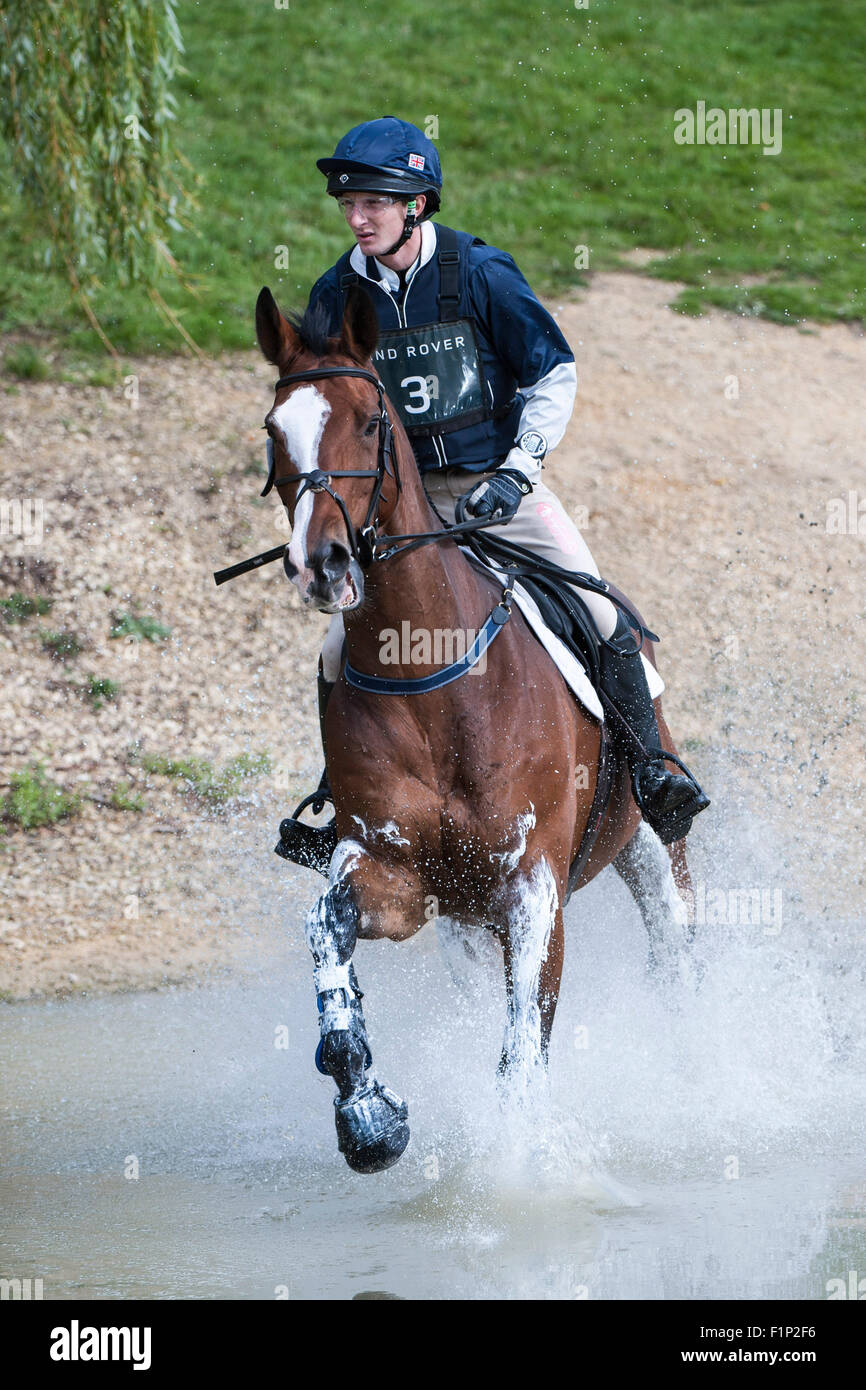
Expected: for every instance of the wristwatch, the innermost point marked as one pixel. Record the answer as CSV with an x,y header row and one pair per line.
x,y
534,444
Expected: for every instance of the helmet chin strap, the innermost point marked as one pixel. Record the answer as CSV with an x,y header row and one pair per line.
x,y
408,228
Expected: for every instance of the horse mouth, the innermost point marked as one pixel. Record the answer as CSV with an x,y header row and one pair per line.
x,y
349,597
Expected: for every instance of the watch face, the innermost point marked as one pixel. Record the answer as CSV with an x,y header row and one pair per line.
x,y
534,444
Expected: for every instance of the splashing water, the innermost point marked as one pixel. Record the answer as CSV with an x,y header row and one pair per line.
x,y
687,1144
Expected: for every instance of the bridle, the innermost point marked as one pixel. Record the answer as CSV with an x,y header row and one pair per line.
x,y
362,539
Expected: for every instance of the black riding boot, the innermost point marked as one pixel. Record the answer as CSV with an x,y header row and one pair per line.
x,y
312,845
668,802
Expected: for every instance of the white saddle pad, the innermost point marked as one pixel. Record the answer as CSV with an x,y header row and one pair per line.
x,y
569,667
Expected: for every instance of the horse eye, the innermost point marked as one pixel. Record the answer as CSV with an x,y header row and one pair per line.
x,y
372,427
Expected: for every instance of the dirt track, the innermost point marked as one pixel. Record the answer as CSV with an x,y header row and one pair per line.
x,y
706,498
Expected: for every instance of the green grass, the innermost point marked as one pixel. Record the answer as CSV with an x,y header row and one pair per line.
x,y
18,607
200,778
97,691
122,799
103,374
63,646
138,626
26,363
33,800
555,129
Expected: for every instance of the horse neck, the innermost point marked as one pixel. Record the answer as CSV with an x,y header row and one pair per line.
x,y
432,585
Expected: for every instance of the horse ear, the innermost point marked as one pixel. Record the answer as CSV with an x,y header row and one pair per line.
x,y
360,332
277,339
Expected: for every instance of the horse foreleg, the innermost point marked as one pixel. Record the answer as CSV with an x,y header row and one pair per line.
x,y
532,940
371,1121
645,867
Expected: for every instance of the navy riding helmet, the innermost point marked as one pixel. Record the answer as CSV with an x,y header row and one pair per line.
x,y
386,156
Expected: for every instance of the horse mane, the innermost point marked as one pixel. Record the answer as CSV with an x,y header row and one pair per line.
x,y
312,330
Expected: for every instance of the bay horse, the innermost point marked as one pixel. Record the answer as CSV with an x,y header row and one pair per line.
x,y
471,796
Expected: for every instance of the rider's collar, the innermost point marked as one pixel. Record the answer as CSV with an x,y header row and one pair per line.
x,y
358,261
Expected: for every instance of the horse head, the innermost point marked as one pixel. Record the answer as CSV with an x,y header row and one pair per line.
x,y
334,466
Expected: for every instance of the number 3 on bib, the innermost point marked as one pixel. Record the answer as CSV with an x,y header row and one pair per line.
x,y
421,393
452,397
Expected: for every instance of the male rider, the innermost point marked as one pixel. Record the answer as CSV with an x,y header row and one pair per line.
x,y
482,413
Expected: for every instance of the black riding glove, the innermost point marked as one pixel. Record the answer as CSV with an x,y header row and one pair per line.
x,y
499,496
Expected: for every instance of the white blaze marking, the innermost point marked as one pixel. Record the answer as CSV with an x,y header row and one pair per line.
x,y
298,545
302,419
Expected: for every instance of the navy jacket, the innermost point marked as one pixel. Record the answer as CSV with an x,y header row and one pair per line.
x,y
519,342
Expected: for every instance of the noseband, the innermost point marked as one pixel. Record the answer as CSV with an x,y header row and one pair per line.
x,y
362,539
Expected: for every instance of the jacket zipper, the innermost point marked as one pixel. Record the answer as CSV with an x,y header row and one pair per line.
x,y
390,296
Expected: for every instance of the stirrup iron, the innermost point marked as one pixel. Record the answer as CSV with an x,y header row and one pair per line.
x,y
311,846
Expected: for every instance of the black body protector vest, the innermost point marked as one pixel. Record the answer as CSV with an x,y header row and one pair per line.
x,y
434,374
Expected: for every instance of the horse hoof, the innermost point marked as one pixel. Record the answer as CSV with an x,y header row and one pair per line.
x,y
372,1131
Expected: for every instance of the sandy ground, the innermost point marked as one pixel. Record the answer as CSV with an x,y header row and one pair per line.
x,y
702,463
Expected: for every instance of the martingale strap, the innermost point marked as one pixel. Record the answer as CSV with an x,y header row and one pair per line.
x,y
385,685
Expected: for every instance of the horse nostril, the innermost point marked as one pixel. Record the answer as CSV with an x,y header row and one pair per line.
x,y
331,561
291,570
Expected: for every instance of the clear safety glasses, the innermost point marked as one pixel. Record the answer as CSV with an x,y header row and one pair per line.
x,y
370,206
